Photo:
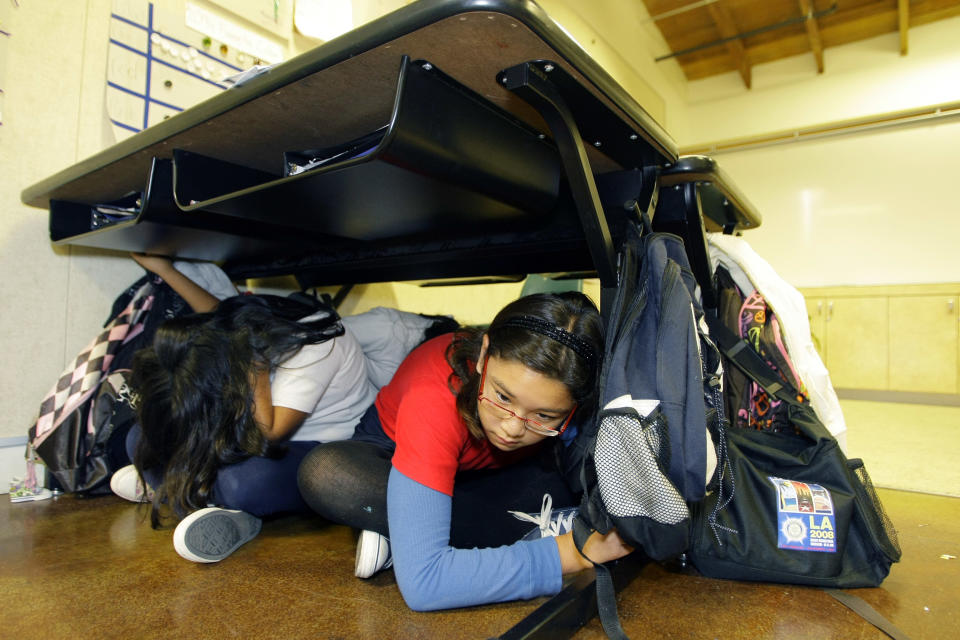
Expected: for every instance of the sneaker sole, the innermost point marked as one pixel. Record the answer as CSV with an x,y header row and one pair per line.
x,y
212,534
371,548
119,482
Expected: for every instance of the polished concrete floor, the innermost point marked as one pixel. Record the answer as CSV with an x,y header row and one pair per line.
x,y
93,568
906,446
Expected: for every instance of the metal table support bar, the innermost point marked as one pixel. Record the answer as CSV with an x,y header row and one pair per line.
x,y
552,93
530,81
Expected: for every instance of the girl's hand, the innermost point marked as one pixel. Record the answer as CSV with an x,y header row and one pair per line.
x,y
599,547
160,265
199,299
606,547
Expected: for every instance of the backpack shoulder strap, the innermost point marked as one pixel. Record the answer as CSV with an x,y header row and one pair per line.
x,y
868,613
606,591
749,361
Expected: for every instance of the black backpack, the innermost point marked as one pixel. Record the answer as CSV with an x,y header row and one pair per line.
x,y
657,441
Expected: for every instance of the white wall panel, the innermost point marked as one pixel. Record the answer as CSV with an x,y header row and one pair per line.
x,y
41,98
873,208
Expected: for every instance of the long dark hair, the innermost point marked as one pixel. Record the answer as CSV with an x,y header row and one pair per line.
x,y
195,391
571,311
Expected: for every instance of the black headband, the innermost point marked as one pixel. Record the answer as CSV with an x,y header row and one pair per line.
x,y
546,328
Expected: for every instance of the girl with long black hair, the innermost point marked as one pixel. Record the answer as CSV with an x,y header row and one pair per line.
x,y
229,401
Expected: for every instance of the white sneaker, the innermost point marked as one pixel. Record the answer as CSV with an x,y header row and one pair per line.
x,y
373,554
549,523
212,534
125,482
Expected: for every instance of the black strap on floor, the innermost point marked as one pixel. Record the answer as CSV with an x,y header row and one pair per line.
x,y
868,613
607,604
606,591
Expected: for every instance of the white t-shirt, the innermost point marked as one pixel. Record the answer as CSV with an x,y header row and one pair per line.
x,y
329,382
386,336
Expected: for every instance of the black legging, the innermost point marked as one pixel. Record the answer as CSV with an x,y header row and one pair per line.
x,y
346,482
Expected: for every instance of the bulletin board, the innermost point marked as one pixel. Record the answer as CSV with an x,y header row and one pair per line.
x,y
162,60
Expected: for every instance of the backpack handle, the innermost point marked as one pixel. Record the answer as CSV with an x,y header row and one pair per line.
x,y
645,224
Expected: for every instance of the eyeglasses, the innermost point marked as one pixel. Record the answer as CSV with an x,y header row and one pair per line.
x,y
534,425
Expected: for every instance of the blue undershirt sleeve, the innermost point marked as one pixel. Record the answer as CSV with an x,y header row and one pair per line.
x,y
433,575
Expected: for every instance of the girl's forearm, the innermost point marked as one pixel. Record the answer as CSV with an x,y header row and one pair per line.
x,y
199,299
276,423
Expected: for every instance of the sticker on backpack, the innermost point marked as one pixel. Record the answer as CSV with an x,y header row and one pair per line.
x,y
805,517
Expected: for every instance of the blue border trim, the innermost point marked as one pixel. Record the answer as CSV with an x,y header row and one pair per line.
x,y
128,127
166,104
127,21
118,87
124,45
145,96
114,85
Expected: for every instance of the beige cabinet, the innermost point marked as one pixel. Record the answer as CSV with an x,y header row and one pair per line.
x,y
923,343
858,342
903,338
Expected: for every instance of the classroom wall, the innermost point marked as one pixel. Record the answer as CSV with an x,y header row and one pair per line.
x,y
54,299
872,207
877,206
628,48
607,30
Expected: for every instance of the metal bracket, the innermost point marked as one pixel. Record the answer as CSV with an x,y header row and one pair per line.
x,y
532,84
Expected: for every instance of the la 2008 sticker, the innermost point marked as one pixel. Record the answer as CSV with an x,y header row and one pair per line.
x,y
805,516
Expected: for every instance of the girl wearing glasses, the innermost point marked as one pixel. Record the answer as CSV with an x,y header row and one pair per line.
x,y
473,426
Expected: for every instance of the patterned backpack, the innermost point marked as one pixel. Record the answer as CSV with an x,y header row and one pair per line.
x,y
83,420
749,316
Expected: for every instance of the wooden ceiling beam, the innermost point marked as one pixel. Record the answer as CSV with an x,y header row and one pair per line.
x,y
927,11
933,9
813,32
903,10
759,54
728,29
865,19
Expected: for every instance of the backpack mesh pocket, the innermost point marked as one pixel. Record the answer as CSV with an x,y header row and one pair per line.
x,y
630,455
878,516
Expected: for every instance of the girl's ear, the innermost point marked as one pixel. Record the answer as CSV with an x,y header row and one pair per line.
x,y
483,352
